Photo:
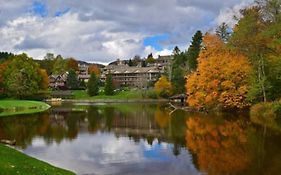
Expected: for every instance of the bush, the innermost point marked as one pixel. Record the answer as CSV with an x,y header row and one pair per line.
x,y
152,94
267,114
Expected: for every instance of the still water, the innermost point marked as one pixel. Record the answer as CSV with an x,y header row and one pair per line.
x,y
146,139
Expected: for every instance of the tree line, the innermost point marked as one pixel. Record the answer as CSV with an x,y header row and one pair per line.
x,y
232,67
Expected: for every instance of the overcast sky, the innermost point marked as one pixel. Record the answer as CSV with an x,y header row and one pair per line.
x,y
104,30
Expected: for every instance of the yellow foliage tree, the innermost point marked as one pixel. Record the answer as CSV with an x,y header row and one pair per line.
x,y
44,83
222,77
163,87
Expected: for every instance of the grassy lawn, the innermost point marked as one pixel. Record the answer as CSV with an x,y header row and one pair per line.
x,y
13,162
132,94
13,107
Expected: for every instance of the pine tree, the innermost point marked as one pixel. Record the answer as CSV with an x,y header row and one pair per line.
x,y
93,85
194,50
109,88
223,31
72,81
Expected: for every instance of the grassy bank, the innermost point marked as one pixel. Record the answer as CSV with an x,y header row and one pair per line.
x,y
13,107
14,162
137,94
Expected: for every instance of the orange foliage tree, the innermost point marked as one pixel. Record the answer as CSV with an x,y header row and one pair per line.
x,y
222,77
163,87
72,64
3,67
220,146
94,69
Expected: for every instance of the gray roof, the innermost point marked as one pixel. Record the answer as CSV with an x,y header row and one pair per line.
x,y
121,69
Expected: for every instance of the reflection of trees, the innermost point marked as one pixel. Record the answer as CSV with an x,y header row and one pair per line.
x,y
220,146
22,128
173,127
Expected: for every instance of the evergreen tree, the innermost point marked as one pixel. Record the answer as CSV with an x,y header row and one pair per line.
x,y
82,84
72,81
93,85
194,50
143,63
223,31
109,88
178,71
130,63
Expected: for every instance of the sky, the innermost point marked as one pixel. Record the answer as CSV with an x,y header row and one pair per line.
x,y
104,30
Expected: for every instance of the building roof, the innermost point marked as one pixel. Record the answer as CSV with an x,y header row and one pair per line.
x,y
121,69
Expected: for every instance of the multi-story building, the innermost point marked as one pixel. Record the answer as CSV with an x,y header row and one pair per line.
x,y
83,73
137,76
140,77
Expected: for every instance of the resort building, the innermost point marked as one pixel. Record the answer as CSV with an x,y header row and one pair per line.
x,y
83,73
140,77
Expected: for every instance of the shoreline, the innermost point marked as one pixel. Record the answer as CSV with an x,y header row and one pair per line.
x,y
18,107
14,161
115,100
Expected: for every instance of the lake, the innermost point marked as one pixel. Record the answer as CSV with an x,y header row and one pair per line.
x,y
146,139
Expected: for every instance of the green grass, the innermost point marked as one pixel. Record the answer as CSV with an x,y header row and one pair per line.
x,y
13,107
132,94
13,162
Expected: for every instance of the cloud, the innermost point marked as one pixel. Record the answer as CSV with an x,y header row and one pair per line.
x,y
102,31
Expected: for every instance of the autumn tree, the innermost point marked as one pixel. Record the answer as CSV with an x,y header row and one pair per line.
x,y
94,69
163,87
44,83
71,63
3,67
109,87
222,77
93,85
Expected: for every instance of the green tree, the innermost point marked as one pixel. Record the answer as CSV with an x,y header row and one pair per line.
x,y
5,56
21,78
150,59
72,81
223,31
257,35
130,63
179,65
109,87
93,85
47,63
194,50
59,66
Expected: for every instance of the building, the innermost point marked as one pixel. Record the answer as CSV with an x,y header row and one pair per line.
x,y
83,72
58,81
125,76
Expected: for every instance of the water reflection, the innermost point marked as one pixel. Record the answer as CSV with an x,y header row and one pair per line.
x,y
138,138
